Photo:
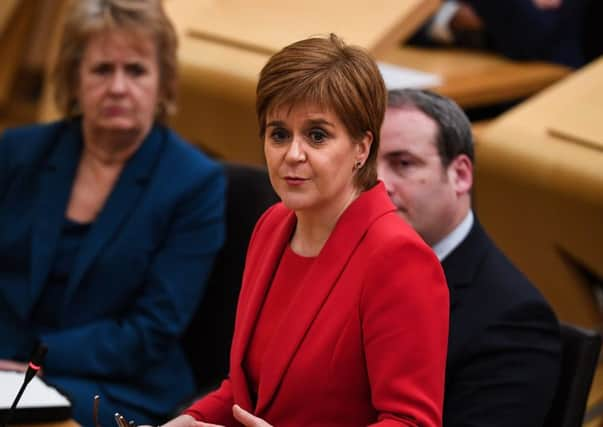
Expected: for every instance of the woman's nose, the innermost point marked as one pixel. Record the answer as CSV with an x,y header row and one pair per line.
x,y
296,152
118,82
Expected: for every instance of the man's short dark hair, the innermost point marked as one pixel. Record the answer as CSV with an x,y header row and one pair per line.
x,y
454,129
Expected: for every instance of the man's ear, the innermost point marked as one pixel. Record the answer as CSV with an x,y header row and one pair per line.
x,y
460,173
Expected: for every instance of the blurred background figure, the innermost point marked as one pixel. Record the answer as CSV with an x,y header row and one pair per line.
x,y
343,313
548,30
109,221
504,346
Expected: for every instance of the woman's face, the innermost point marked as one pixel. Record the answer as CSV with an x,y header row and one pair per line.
x,y
311,157
119,82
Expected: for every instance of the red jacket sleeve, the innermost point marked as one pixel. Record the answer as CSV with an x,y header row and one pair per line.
x,y
216,407
404,309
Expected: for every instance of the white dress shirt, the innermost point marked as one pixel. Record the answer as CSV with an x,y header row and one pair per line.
x,y
443,248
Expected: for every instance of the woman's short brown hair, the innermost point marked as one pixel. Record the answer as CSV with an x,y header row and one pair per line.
x,y
338,78
90,17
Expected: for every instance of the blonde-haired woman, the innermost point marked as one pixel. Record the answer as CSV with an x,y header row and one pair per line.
x,y
109,222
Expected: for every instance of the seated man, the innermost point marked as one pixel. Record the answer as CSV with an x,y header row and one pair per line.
x,y
548,30
504,346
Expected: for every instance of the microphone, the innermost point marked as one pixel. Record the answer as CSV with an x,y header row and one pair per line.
x,y
33,367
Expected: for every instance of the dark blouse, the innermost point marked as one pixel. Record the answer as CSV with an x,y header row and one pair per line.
x,y
72,235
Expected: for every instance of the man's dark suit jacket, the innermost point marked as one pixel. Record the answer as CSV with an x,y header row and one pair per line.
x,y
520,30
504,346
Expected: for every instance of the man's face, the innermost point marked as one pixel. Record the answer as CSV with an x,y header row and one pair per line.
x,y
426,193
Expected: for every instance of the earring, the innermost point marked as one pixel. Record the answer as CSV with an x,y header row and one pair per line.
x,y
357,165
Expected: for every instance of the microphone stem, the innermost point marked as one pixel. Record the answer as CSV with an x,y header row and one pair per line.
x,y
14,405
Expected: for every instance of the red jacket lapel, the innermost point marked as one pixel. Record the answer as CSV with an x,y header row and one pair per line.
x,y
270,237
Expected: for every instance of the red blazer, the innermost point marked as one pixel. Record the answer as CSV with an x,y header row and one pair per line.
x,y
364,339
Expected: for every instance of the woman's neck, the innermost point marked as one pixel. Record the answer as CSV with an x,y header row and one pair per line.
x,y
314,228
111,148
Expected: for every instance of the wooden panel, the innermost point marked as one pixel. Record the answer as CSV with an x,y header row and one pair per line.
x,y
219,70
541,197
7,9
268,25
218,88
12,44
47,109
474,78
575,170
216,100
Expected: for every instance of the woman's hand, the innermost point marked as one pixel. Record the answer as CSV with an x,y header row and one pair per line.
x,y
247,419
11,365
184,421
547,4
241,415
466,19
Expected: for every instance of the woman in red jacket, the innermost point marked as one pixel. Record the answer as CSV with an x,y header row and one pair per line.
x,y
343,314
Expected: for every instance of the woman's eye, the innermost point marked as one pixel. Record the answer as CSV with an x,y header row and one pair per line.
x,y
136,70
102,69
279,135
317,136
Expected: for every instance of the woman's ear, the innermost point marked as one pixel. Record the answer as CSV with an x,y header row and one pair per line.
x,y
363,147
